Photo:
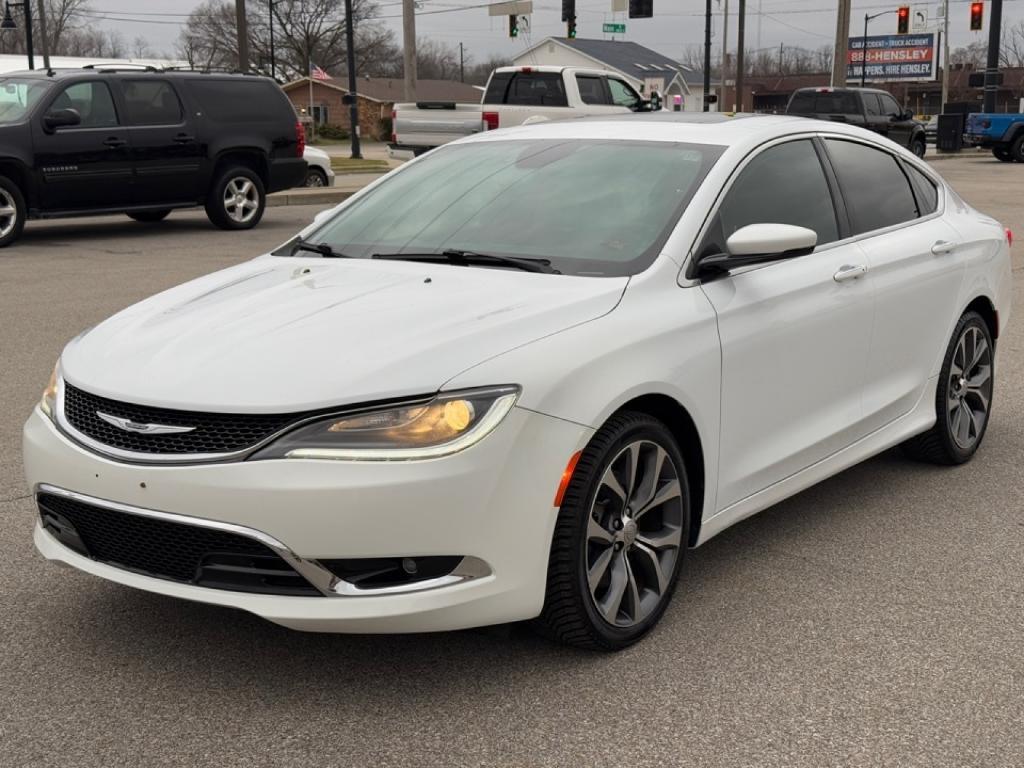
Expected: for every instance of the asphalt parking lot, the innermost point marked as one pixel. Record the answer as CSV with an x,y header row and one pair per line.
x,y
874,620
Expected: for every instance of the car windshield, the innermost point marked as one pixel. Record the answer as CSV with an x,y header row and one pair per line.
x,y
18,95
591,207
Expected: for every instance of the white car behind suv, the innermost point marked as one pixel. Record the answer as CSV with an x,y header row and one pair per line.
x,y
520,376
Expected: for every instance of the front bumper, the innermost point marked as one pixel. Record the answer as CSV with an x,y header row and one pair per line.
x,y
491,503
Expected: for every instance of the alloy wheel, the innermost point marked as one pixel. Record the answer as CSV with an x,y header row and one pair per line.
x,y
634,534
241,199
970,387
8,213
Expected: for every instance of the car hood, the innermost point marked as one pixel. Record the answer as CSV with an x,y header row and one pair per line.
x,y
287,334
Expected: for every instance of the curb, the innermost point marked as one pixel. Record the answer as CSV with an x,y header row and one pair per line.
x,y
322,196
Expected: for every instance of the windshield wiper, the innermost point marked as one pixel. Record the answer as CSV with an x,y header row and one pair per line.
x,y
466,258
322,248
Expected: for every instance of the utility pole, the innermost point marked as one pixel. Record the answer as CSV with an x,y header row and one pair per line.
x,y
723,70
995,19
707,54
243,36
353,105
462,64
841,44
780,58
42,34
741,59
945,56
409,47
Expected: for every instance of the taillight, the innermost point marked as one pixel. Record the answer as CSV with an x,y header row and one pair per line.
x,y
491,121
394,120
1009,236
300,138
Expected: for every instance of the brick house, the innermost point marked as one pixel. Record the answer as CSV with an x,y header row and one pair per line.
x,y
376,98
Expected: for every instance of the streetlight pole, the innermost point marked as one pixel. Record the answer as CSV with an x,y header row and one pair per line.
x,y
9,23
273,67
353,106
864,44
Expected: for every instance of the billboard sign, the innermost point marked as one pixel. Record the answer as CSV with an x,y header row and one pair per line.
x,y
893,57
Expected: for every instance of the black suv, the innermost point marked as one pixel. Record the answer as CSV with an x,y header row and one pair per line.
x,y
141,142
869,108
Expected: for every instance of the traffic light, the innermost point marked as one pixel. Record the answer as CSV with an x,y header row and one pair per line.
x,y
977,12
513,25
570,28
641,9
903,20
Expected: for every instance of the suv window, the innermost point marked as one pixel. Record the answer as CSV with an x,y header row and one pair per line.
x,y
824,103
927,192
622,94
241,100
93,102
591,89
872,108
875,189
537,89
151,102
785,184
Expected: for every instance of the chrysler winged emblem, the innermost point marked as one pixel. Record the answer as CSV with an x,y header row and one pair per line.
x,y
143,429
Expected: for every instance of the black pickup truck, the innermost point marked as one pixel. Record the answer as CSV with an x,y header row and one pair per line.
x,y
143,142
869,108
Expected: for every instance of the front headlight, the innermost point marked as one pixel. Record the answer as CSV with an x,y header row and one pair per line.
x,y
48,402
450,422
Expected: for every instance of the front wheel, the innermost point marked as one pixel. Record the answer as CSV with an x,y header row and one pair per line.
x,y
1002,153
315,178
963,398
236,200
620,537
917,146
12,212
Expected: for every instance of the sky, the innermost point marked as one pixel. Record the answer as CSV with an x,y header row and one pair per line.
x,y
678,25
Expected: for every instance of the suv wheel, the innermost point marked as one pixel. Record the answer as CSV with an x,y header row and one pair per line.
x,y
963,398
237,199
917,146
1002,153
12,212
620,537
1017,148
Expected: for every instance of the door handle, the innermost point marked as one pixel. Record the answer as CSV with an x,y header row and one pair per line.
x,y
184,138
113,142
849,272
943,246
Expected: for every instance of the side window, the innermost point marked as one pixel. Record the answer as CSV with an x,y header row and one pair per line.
x,y
889,105
538,89
497,88
93,102
871,106
927,192
622,94
784,184
875,189
591,89
151,102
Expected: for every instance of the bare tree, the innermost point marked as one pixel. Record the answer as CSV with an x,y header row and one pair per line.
x,y
972,55
141,48
1011,53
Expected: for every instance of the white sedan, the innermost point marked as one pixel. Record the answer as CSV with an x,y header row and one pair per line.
x,y
319,172
520,376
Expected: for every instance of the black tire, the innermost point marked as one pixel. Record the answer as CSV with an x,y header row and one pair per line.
x,y
570,614
1003,153
315,178
222,210
918,146
1017,148
12,222
939,445
149,217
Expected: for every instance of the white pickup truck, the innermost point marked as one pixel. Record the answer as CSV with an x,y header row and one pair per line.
x,y
515,96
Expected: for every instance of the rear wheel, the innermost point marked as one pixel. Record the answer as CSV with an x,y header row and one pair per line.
x,y
237,199
1003,153
1017,148
12,212
620,536
963,398
149,216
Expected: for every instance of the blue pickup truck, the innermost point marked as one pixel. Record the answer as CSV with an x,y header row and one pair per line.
x,y
1003,134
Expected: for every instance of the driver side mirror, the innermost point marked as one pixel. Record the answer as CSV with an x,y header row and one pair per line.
x,y
760,243
61,118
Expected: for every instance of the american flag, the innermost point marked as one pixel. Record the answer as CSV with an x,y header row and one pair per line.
x,y
317,73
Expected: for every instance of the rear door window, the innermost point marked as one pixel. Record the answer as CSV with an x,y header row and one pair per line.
x,y
876,191
591,89
927,192
151,102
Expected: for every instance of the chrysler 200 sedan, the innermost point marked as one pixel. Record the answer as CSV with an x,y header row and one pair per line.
x,y
519,377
